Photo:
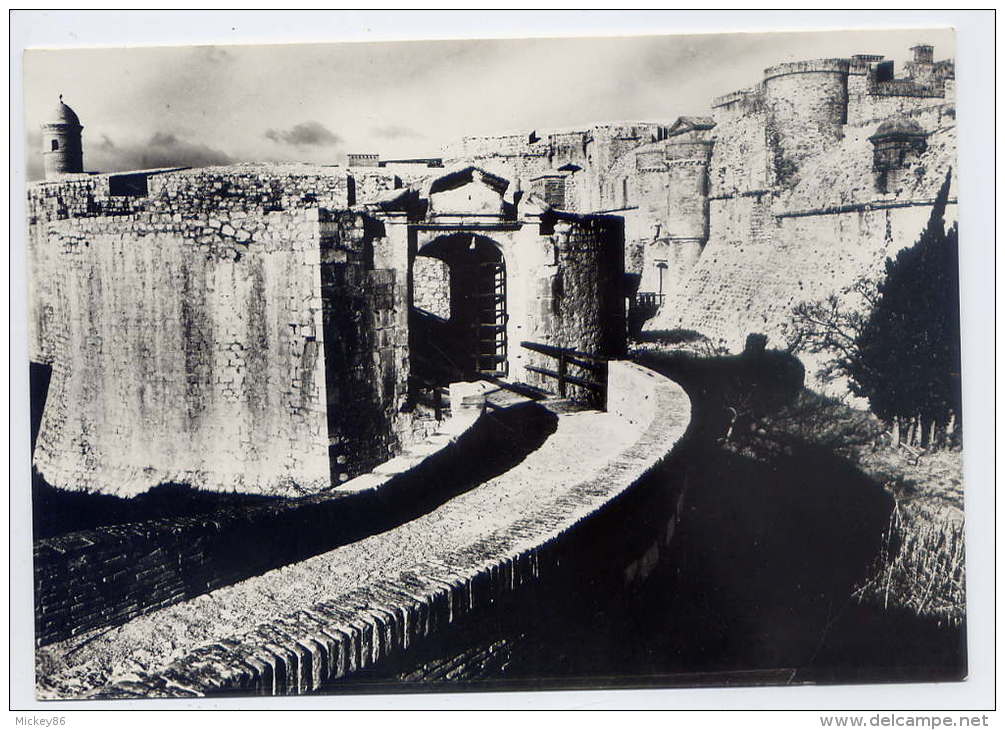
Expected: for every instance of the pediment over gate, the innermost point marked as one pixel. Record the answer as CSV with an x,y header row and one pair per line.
x,y
691,124
469,191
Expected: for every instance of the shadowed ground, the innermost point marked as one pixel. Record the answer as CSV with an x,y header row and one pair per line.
x,y
768,551
494,446
773,544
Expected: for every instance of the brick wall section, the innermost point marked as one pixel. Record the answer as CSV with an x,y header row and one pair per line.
x,y
875,107
381,619
246,188
108,575
369,185
251,187
367,358
76,197
186,352
366,342
869,99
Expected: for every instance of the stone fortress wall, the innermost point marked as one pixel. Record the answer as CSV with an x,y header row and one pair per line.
x,y
246,328
801,201
184,330
786,192
250,324
579,158
193,326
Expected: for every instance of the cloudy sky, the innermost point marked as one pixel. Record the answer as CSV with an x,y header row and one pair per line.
x,y
198,105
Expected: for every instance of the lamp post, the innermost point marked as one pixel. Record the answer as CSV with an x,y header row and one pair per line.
x,y
661,266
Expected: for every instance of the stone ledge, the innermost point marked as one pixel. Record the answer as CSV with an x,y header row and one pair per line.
x,y
461,420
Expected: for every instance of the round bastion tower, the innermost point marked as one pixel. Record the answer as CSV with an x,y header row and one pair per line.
x,y
806,104
687,190
62,152
685,213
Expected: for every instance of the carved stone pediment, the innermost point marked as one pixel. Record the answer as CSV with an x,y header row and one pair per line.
x,y
470,191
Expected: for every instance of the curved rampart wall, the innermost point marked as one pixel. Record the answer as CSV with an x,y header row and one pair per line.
x,y
380,619
108,575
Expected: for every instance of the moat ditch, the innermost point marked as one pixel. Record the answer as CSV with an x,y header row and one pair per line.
x,y
756,589
499,442
109,576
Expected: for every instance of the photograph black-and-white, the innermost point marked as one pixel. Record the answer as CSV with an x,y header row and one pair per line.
x,y
500,364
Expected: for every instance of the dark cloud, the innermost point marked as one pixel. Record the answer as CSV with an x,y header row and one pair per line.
x,y
306,134
163,149
396,131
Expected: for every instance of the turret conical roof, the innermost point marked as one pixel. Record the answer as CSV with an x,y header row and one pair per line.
x,y
64,115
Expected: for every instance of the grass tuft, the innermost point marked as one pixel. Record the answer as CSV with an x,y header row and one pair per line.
x,y
921,564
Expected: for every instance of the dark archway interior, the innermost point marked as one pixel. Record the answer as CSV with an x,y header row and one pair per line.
x,y
471,343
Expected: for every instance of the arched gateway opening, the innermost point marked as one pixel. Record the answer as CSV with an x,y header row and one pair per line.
x,y
464,337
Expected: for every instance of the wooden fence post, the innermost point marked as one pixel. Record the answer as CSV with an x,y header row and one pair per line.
x,y
563,369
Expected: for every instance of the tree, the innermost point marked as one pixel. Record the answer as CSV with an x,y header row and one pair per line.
x,y
903,354
831,326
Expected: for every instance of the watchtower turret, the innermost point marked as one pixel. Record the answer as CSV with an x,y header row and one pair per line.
x,y
62,151
897,145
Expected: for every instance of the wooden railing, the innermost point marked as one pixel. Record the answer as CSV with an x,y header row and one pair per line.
x,y
588,361
649,299
643,307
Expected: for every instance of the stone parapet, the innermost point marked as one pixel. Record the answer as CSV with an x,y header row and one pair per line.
x,y
820,65
731,98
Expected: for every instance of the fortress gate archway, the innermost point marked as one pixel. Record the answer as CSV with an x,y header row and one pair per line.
x,y
467,339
